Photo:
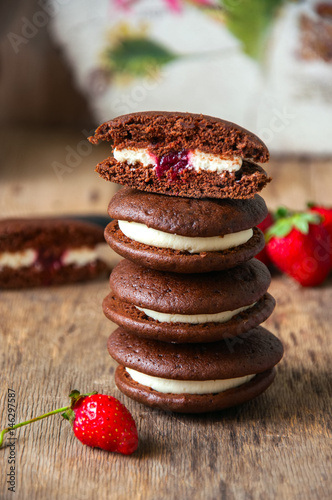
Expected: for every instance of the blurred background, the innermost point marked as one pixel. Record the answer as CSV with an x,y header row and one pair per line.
x,y
68,65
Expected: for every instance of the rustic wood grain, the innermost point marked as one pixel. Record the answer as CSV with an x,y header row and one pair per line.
x,y
54,339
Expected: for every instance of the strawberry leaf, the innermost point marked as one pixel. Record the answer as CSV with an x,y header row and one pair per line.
x,y
301,224
281,213
284,224
74,393
279,229
76,396
312,217
69,415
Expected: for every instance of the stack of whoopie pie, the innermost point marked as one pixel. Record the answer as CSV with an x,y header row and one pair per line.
x,y
189,296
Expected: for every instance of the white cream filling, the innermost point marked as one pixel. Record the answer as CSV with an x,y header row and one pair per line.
x,y
134,155
83,256
197,160
79,257
16,260
165,385
153,237
213,163
221,317
76,256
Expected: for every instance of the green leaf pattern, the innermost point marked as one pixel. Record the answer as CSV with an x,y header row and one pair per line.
x,y
250,21
132,53
135,55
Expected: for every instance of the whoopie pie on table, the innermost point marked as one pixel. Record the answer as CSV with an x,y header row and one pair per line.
x,y
189,297
181,308
195,378
185,235
183,154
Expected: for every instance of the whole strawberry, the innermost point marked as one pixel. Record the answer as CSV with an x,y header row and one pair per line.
x,y
101,421
326,214
98,420
264,225
299,245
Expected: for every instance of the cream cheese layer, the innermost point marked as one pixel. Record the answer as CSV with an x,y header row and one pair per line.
x,y
85,255
194,319
153,237
16,260
78,257
197,160
169,386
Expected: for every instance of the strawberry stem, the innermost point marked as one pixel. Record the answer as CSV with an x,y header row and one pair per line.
x,y
16,426
67,413
286,221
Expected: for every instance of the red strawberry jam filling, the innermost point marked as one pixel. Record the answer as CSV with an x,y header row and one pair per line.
x,y
172,164
48,261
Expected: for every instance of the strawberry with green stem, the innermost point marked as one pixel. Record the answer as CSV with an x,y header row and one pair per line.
x,y
299,245
98,420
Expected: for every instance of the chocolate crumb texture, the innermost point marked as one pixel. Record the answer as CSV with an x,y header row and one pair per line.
x,y
169,139
163,132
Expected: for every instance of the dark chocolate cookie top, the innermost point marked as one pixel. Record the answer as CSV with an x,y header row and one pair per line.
x,y
162,132
187,216
253,352
190,293
19,234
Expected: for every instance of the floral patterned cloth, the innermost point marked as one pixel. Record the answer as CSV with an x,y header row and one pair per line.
x,y
265,64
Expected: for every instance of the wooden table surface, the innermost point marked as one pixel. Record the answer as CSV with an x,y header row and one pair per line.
x,y
54,340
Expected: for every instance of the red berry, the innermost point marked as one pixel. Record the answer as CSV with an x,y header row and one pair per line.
x,y
98,421
101,421
326,214
300,246
264,225
173,164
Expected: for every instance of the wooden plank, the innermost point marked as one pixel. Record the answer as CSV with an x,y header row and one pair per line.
x,y
295,181
54,340
51,173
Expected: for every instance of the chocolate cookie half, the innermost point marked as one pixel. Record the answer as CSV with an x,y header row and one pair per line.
x,y
49,251
184,235
183,154
189,307
195,378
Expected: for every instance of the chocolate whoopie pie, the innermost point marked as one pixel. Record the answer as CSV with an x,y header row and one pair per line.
x,y
49,251
195,378
184,235
183,154
189,307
